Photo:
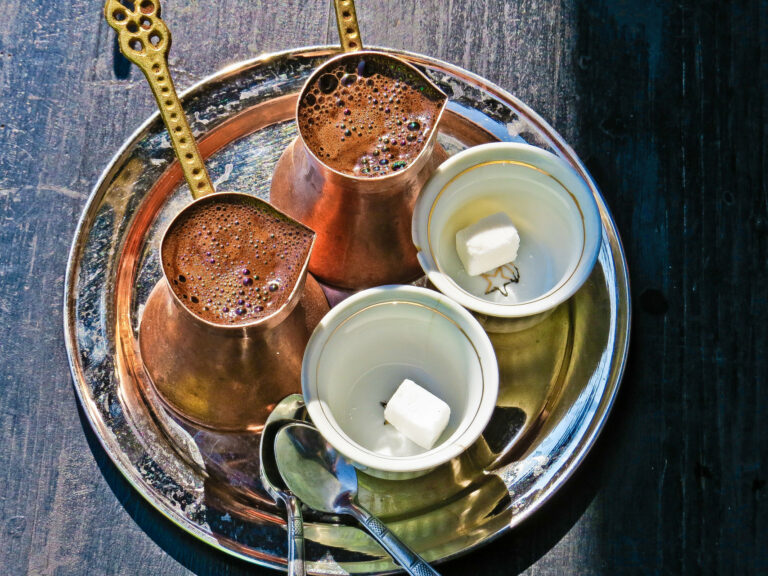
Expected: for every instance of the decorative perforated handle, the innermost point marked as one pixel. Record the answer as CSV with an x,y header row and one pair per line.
x,y
407,558
145,40
346,21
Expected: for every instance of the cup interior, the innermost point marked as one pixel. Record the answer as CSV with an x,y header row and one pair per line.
x,y
549,222
374,350
550,204
363,350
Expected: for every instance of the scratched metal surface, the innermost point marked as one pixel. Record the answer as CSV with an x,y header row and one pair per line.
x,y
200,479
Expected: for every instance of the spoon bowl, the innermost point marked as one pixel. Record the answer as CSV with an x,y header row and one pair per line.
x,y
324,480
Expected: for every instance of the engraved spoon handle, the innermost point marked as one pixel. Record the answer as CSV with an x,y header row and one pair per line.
x,y
407,558
144,39
346,21
295,525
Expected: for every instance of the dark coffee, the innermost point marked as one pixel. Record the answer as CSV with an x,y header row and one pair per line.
x,y
234,261
368,116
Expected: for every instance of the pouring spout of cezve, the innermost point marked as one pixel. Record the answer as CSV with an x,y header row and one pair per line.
x,y
324,480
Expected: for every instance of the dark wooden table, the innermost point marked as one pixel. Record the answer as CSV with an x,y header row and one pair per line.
x,y
667,103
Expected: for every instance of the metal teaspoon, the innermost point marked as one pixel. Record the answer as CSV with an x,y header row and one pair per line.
x,y
324,480
287,410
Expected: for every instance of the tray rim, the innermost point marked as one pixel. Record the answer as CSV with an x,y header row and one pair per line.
x,y
620,280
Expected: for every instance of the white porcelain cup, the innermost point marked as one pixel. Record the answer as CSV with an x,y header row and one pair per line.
x,y
366,346
549,203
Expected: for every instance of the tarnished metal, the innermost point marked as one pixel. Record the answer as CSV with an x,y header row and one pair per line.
x,y
558,379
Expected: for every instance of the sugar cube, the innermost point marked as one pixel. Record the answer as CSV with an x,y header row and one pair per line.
x,y
417,414
487,244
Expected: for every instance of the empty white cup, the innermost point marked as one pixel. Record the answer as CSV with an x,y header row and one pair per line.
x,y
363,349
549,203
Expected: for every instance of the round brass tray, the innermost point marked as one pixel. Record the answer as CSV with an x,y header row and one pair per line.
x,y
558,378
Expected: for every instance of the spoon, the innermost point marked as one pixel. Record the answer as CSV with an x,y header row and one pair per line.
x,y
289,409
324,480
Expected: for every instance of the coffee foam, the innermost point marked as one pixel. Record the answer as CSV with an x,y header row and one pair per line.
x,y
234,261
368,116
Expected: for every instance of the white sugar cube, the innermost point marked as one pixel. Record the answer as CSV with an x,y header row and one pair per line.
x,y
417,414
487,244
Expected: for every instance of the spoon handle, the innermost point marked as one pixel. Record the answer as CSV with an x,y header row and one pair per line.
x,y
144,39
407,558
295,525
346,22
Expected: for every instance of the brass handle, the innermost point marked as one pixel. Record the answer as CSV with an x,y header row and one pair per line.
x,y
145,40
346,21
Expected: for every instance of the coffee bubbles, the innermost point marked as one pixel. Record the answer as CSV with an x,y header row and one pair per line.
x,y
368,117
234,261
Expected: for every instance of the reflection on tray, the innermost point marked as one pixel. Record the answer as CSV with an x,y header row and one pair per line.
x,y
208,481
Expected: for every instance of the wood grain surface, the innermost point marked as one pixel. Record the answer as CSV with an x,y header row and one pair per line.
x,y
667,103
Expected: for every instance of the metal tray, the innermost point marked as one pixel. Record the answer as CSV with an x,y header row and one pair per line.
x,y
558,379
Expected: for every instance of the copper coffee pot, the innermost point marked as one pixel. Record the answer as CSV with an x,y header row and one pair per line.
x,y
363,224
223,376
